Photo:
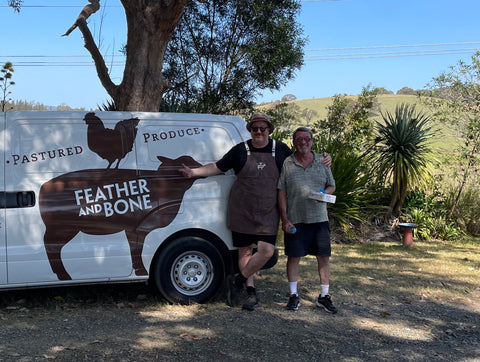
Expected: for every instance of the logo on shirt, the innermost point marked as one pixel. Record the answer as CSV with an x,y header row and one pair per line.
x,y
261,165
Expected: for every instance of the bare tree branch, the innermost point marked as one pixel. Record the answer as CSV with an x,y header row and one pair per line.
x,y
102,69
84,14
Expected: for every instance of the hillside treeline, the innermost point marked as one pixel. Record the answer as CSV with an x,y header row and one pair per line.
x,y
36,106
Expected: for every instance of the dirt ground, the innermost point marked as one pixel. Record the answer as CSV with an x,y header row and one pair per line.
x,y
129,323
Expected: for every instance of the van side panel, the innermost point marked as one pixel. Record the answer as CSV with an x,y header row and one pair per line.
x,y
42,146
94,196
3,246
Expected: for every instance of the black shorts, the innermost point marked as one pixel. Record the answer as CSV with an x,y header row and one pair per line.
x,y
241,240
310,239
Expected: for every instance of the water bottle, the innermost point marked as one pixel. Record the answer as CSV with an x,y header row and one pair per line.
x,y
292,229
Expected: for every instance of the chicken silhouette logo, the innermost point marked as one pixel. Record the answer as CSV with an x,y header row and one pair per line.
x,y
111,200
110,144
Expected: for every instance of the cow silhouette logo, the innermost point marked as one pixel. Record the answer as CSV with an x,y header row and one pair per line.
x,y
110,144
107,201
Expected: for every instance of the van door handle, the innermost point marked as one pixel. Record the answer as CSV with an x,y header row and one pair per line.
x,y
25,199
17,199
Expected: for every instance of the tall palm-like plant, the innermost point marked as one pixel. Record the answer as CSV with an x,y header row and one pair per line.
x,y
404,152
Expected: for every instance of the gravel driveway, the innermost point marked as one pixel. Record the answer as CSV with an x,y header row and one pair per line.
x,y
128,323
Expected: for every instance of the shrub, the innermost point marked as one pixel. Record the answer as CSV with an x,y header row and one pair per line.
x,y
467,211
430,213
352,177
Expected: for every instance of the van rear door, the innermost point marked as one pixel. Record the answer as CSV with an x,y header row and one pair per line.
x,y
3,247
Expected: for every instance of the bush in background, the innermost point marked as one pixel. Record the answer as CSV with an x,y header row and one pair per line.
x,y
352,179
430,213
467,211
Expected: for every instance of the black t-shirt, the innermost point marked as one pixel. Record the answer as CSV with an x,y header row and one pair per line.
x,y
237,156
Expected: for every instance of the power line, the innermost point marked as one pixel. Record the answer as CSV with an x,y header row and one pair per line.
x,y
394,46
398,51
57,56
62,64
307,50
40,60
386,55
61,6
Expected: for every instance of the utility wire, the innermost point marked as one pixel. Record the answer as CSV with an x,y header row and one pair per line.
x,y
420,51
380,55
306,50
390,54
62,6
40,60
395,46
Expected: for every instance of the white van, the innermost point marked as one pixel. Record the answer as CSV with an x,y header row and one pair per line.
x,y
98,198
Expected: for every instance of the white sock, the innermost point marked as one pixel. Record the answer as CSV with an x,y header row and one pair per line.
x,y
293,288
324,290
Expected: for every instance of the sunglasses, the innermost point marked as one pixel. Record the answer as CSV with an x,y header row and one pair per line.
x,y
301,139
262,129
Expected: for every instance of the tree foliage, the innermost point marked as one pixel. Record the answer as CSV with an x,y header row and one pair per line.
x,y
381,90
406,91
150,25
458,104
289,98
309,114
349,120
282,114
15,4
220,57
225,52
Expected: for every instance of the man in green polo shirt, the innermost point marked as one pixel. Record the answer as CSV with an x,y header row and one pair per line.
x,y
302,173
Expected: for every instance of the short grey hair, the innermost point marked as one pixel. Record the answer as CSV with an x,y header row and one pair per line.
x,y
302,129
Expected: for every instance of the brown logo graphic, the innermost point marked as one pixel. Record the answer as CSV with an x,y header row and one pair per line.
x,y
110,144
111,200
107,201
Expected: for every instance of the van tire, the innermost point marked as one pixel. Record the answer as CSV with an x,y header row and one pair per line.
x,y
189,269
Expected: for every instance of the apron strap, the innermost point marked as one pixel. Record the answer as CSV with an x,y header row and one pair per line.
x,y
248,149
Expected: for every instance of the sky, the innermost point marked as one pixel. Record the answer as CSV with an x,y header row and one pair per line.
x,y
351,44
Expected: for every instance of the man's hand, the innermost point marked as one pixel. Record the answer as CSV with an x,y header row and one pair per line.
x,y
287,226
327,160
186,171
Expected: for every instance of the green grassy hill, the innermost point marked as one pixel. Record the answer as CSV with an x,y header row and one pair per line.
x,y
445,141
386,102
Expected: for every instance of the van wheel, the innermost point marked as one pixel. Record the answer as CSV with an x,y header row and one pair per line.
x,y
189,269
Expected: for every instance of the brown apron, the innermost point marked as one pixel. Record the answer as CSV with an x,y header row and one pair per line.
x,y
252,205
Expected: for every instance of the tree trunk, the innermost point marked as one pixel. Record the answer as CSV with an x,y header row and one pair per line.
x,y
150,25
397,210
460,189
391,206
149,30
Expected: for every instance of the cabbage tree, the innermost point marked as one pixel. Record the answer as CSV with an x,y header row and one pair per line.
x,y
403,152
